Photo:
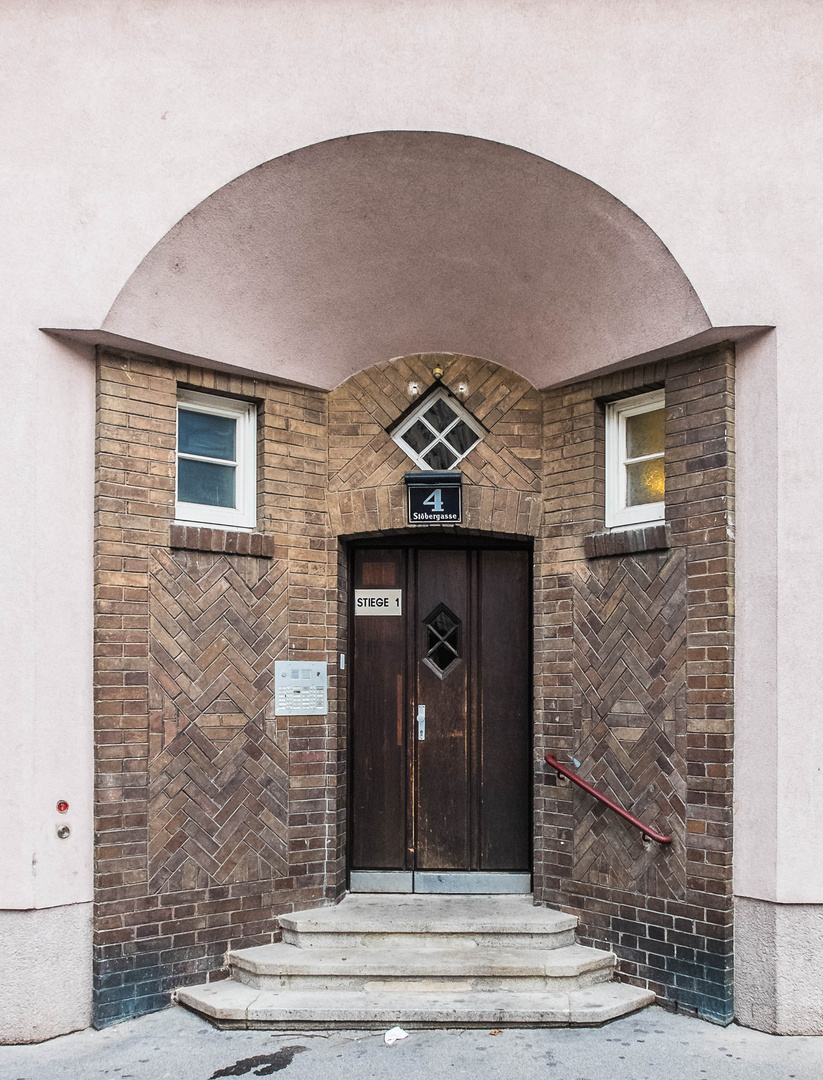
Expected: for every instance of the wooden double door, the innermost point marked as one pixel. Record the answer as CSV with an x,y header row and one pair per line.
x,y
440,690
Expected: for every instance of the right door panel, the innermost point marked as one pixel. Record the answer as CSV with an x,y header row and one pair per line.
x,y
444,803
505,729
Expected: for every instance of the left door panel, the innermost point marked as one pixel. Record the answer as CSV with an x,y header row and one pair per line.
x,y
378,747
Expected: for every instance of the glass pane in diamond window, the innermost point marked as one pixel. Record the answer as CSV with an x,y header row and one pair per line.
x,y
461,437
418,436
435,644
206,435
441,657
645,482
205,482
450,643
440,457
645,433
440,415
442,639
443,623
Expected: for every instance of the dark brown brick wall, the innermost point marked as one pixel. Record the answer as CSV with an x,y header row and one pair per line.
x,y
501,475
213,816
633,665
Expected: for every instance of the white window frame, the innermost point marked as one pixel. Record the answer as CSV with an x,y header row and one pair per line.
x,y
244,515
618,514
437,436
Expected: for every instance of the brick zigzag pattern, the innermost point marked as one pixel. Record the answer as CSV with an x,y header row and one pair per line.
x,y
382,393
629,683
218,794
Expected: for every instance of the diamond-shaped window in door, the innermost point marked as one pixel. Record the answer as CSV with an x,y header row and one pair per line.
x,y
442,640
439,432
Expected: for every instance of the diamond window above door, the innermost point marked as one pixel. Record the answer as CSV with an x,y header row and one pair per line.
x,y
439,432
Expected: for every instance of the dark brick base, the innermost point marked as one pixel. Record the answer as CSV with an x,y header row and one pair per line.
x,y
182,939
667,949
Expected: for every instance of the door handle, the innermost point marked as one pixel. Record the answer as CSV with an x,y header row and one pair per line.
x,y
421,723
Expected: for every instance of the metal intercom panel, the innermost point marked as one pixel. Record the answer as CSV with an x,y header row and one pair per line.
x,y
300,688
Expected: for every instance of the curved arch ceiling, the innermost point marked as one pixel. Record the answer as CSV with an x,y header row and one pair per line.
x,y
325,261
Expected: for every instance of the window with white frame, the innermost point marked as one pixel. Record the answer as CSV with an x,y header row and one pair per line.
x,y
216,461
438,433
635,445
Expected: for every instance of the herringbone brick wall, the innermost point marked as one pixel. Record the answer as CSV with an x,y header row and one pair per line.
x,y
629,710
216,625
212,815
501,474
633,662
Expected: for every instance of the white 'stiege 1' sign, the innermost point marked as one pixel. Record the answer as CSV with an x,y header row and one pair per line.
x,y
378,601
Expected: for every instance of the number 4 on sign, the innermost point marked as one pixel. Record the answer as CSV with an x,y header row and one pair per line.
x,y
435,501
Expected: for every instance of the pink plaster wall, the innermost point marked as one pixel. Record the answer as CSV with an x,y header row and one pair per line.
x,y
47,436
335,257
118,118
757,743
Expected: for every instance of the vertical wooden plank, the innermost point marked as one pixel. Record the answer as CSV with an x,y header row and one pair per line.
x,y
474,714
505,687
443,803
378,753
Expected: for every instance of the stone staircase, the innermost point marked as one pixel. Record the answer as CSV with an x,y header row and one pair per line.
x,y
374,961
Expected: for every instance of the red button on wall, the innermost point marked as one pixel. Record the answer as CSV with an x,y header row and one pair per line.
x,y
62,806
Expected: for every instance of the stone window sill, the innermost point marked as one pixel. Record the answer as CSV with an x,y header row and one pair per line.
x,y
223,541
627,541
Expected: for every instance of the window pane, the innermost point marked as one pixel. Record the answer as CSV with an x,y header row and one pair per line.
x,y
440,457
418,436
645,482
206,435
645,434
441,657
461,437
442,629
440,415
443,624
448,644
203,482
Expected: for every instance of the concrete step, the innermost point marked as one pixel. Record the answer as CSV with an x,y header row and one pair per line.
x,y
389,921
374,961
282,966
230,1004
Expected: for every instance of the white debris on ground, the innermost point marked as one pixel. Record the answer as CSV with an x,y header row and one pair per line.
x,y
394,1035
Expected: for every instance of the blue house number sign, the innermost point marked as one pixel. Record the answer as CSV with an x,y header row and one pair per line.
x,y
434,498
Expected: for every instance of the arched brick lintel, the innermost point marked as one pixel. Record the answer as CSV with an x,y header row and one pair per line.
x,y
501,475
485,510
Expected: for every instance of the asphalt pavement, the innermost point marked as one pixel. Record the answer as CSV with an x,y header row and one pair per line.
x,y
650,1045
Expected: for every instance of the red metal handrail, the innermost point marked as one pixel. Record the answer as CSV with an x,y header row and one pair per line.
x,y
575,779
